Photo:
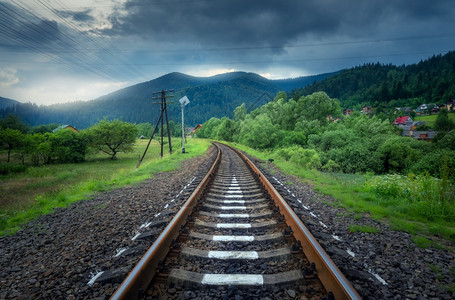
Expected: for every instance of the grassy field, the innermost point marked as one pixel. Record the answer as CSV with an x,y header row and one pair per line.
x,y
429,120
355,193
38,190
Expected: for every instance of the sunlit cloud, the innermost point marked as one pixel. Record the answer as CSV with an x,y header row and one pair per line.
x,y
8,77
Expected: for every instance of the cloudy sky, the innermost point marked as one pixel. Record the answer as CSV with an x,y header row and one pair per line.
x,y
54,51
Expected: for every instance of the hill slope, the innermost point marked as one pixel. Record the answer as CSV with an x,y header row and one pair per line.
x,y
215,96
5,102
429,81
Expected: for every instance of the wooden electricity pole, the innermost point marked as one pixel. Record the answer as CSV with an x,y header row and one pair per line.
x,y
162,96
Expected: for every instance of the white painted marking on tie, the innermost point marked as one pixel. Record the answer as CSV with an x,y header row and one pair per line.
x,y
232,279
379,278
233,207
135,237
233,238
233,225
120,251
233,215
234,201
233,196
94,278
233,254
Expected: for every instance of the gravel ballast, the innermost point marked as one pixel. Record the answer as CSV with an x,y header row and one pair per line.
x,y
86,249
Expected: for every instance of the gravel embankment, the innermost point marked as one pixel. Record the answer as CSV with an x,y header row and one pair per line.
x,y
56,255
383,265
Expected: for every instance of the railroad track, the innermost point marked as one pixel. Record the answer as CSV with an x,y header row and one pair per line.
x,y
235,236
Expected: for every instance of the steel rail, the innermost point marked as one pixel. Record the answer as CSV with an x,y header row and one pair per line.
x,y
142,274
329,274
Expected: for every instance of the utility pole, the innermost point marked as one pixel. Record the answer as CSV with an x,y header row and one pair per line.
x,y
183,101
162,97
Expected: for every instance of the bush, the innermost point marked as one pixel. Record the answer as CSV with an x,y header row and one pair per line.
x,y
306,158
6,169
331,167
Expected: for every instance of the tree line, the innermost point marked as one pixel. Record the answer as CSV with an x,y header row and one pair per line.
x,y
387,86
311,132
39,145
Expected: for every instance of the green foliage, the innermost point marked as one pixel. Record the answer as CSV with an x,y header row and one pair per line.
x,y
443,123
13,122
66,146
318,106
398,154
12,138
112,137
306,158
422,195
8,169
391,86
448,141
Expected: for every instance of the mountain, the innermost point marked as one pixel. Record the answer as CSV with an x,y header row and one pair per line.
x,y
214,96
389,86
5,102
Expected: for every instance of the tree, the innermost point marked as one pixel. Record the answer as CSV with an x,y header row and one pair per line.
x,y
68,146
112,137
13,122
13,138
318,106
443,123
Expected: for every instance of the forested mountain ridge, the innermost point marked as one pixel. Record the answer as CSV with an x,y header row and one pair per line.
x,y
5,102
210,96
429,81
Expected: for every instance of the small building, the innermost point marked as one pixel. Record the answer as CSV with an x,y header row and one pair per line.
x,y
426,135
449,106
366,110
402,120
196,128
427,108
407,110
347,111
66,127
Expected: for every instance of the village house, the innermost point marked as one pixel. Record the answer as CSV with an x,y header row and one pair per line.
x,y
406,110
449,106
426,109
66,127
409,126
426,135
366,110
347,111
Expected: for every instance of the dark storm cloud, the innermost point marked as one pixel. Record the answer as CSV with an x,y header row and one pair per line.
x,y
81,16
20,29
269,22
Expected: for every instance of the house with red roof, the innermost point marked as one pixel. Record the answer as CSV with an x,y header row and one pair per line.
x,y
402,120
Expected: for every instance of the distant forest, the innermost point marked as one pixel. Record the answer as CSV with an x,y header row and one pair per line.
x,y
389,86
382,86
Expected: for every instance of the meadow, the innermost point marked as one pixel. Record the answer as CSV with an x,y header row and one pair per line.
x,y
431,119
421,205
38,190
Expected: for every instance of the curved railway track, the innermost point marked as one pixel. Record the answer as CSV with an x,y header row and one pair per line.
x,y
235,235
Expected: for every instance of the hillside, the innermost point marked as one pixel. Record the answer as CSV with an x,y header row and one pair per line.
x,y
429,81
214,96
5,102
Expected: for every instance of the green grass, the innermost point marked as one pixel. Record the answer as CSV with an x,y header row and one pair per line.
x,y
430,119
363,228
350,192
38,190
